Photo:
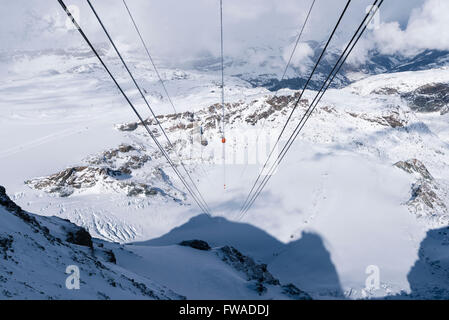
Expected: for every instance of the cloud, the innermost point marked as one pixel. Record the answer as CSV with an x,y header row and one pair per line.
x,y
426,29
301,57
254,29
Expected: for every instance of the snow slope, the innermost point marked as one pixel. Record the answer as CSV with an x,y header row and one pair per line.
x,y
337,192
36,251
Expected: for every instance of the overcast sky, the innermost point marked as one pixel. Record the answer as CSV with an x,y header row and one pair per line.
x,y
175,28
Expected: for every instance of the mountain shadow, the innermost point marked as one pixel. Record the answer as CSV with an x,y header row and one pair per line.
x,y
429,276
305,262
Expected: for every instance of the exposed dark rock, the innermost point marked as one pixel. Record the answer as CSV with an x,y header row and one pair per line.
x,y
113,153
136,189
56,255
429,98
196,244
110,256
275,103
414,166
11,206
391,119
424,199
80,237
423,193
394,121
144,289
259,288
385,91
292,291
132,157
258,274
65,182
329,109
247,265
7,203
5,245
128,126
102,170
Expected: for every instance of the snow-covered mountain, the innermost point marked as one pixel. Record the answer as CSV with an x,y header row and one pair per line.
x,y
38,255
267,72
366,183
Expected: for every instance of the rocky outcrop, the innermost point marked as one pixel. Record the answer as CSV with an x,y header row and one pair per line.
x,y
7,203
385,91
209,117
79,236
181,121
11,206
65,182
275,104
127,126
424,193
425,199
5,246
257,274
391,119
124,159
429,98
35,253
416,167
112,170
196,244
247,265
